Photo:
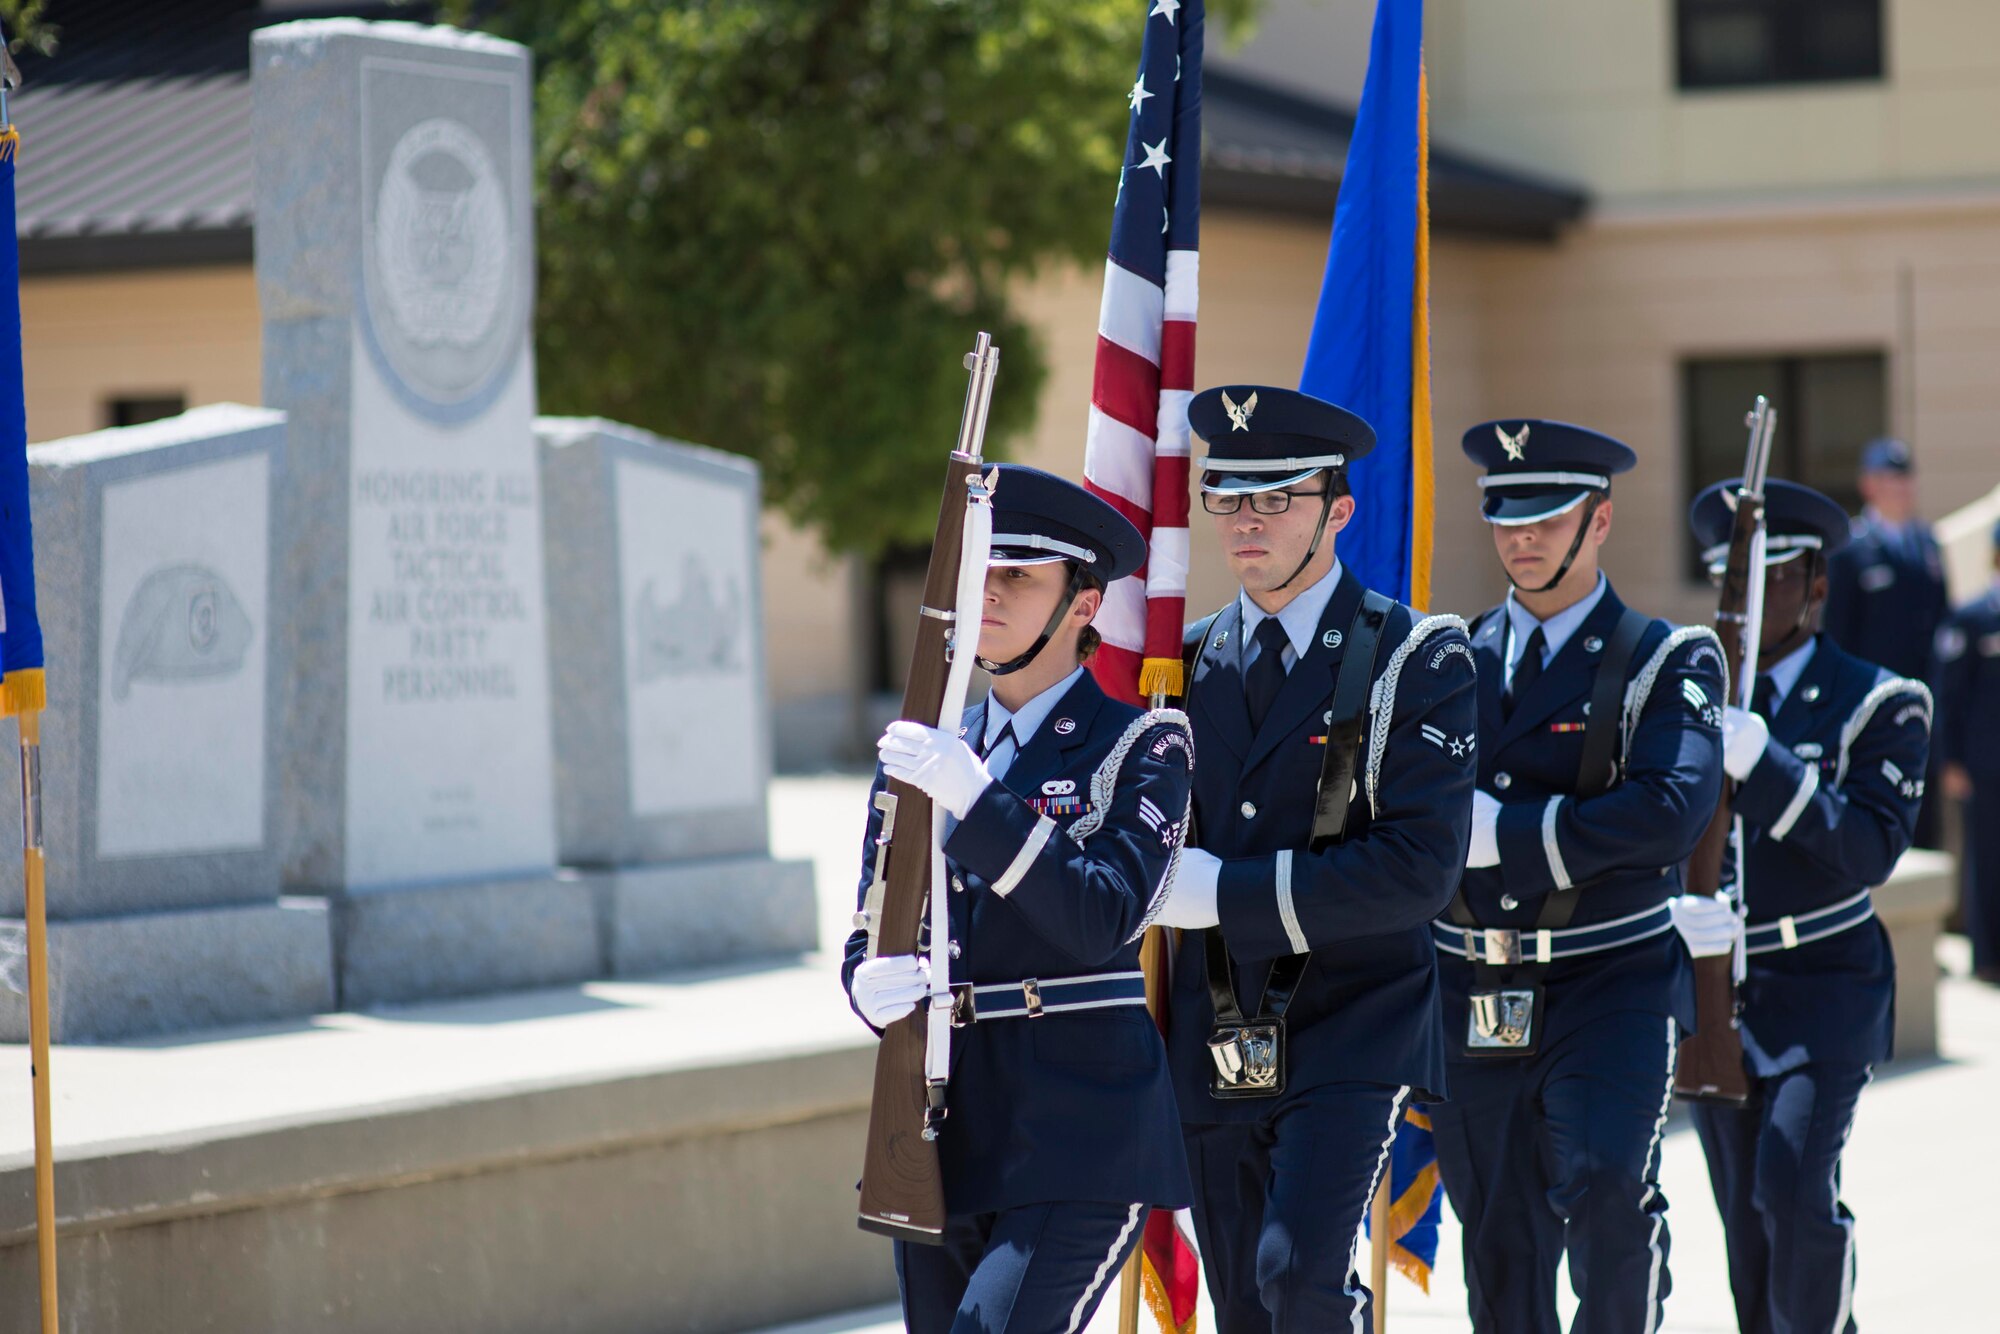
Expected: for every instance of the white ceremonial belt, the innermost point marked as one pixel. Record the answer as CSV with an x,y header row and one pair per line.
x,y
1506,945
1031,997
1788,933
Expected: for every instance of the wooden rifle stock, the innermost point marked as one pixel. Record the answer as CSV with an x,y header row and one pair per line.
x,y
902,1191
1710,1065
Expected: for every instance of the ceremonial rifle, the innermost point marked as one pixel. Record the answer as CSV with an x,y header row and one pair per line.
x,y
902,1193
1710,1067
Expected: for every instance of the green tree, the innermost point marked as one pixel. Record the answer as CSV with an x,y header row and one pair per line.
x,y
773,226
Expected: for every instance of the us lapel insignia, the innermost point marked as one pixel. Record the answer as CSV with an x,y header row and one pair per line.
x,y
1809,694
1593,645
1064,726
1331,638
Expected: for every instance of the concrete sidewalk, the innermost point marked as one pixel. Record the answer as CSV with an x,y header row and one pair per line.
x,y
1921,1171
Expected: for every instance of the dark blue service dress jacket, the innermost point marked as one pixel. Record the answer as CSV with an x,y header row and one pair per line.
x,y
1886,598
1072,1106
1827,811
1622,850
1367,1007
1968,724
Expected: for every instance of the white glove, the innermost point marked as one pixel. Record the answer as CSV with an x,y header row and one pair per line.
x,y
1744,735
1706,922
936,762
889,987
1190,901
1484,850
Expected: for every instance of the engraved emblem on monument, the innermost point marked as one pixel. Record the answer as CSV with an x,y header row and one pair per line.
x,y
183,624
444,256
695,632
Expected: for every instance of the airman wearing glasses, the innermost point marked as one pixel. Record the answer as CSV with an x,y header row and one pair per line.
x,y
1334,730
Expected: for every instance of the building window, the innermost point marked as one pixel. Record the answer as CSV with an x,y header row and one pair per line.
x,y
1829,405
1755,43
130,411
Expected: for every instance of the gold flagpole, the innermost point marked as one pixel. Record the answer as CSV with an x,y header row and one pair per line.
x,y
32,866
1153,962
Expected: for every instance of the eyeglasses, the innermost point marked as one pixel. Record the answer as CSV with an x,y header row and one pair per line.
x,y
1261,502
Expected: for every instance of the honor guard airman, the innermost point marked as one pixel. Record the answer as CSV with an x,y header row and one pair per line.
x,y
1336,734
1886,593
1070,809
1566,987
1968,740
1830,763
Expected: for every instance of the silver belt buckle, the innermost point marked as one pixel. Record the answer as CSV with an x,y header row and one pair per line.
x,y
1249,1059
1500,945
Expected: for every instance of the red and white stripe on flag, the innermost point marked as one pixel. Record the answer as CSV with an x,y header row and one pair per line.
x,y
1136,457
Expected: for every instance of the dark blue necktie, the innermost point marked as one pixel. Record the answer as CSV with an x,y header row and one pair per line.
x,y
1266,676
1763,695
1528,670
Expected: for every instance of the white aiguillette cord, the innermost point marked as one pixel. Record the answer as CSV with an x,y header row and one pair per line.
x,y
973,552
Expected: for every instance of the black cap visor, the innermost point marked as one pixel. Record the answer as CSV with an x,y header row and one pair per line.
x,y
1249,483
1517,506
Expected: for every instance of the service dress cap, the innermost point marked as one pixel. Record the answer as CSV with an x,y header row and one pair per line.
x,y
1039,517
1887,454
1262,438
1796,519
1537,469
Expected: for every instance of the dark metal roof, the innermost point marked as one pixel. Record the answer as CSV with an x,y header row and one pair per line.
x,y
135,134
136,145
1269,149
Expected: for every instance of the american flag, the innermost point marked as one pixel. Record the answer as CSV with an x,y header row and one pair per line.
x,y
1136,452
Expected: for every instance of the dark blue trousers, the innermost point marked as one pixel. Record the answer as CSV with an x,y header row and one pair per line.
x,y
1037,1269
1279,1203
1561,1150
1982,871
1775,1166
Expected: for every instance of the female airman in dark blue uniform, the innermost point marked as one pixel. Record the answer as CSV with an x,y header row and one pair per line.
x,y
1831,766
1070,810
1335,728
1566,988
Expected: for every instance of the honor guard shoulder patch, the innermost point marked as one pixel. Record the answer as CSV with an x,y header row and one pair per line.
x,y
1173,740
1446,650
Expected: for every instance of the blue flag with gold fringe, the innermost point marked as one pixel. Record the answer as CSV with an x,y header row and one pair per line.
x,y
20,628
1370,353
1371,344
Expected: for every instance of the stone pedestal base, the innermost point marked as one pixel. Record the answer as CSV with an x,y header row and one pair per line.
x,y
427,942
703,913
166,972
1912,905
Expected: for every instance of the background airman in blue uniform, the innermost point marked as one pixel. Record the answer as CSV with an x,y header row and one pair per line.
x,y
1886,593
1283,1178
1830,763
1968,743
1566,987
1070,809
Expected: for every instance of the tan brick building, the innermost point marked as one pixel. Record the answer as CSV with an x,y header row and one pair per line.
x,y
1803,200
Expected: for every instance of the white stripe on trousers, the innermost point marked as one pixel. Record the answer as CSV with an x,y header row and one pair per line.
x,y
1111,1258
1360,1295
1653,1307
1847,1257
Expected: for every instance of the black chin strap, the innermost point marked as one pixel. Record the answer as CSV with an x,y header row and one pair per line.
x,y
1074,587
1576,545
1325,512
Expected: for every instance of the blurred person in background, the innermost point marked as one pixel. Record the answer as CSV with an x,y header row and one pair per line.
x,y
1968,652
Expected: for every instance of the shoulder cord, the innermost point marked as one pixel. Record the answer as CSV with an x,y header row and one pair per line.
x,y
1641,689
1382,699
1864,713
1104,787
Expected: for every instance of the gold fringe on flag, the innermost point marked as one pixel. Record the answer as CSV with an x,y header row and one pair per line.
x,y
1160,1304
25,689
1160,676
